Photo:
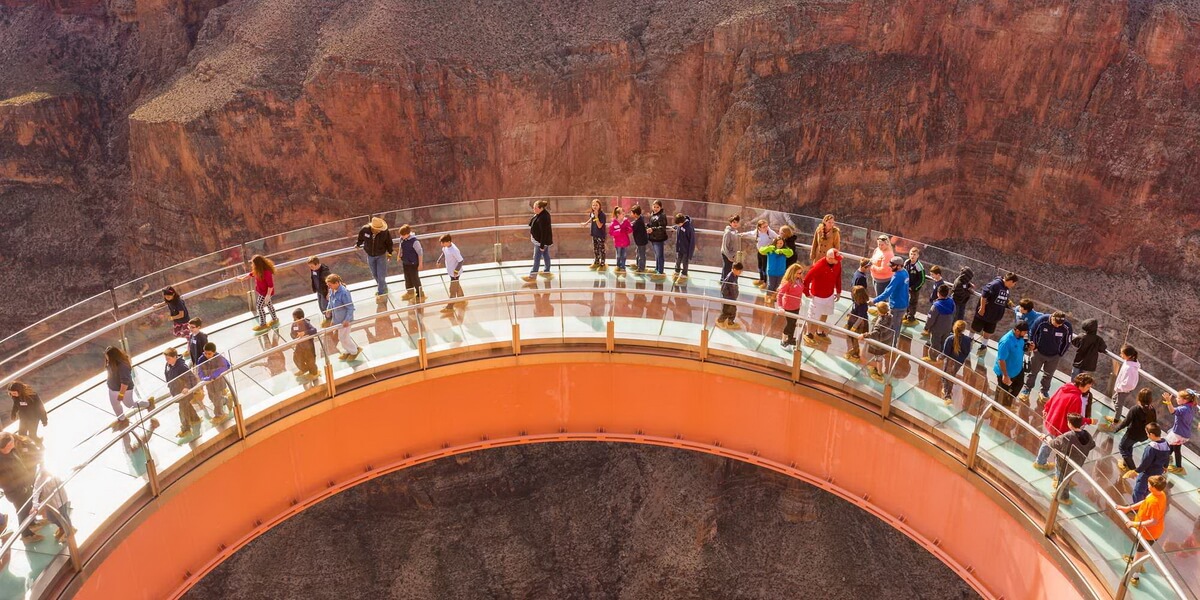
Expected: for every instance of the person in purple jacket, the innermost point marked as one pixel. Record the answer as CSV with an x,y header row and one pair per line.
x,y
219,391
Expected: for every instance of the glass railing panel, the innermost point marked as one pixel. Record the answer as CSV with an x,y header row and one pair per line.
x,y
539,314
54,332
186,277
298,243
119,470
467,323
442,217
564,210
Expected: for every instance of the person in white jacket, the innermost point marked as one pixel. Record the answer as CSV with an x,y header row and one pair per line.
x,y
1126,384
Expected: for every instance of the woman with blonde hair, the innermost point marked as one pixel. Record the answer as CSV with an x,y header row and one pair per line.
x,y
788,297
825,237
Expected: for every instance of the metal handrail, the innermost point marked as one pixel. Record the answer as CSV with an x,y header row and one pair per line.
x,y
990,404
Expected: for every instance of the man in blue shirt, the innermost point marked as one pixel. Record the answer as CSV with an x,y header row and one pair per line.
x,y
1010,364
1051,338
896,294
341,313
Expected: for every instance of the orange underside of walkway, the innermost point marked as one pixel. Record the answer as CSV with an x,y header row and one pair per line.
x,y
403,421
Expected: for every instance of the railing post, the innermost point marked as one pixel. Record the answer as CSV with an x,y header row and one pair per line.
x,y
516,339
1052,514
330,386
610,336
238,418
246,268
797,357
112,294
973,450
1123,585
72,542
498,252
422,355
151,472
870,243
704,344
885,407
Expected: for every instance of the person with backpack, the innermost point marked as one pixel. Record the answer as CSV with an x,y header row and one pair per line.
x,y
1088,348
685,245
1075,444
916,280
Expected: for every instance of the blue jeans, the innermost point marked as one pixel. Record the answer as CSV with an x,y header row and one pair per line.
x,y
322,303
1141,487
1043,454
378,265
641,258
659,259
538,254
621,257
773,282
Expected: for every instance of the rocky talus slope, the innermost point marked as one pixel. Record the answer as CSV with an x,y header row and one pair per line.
x,y
1055,130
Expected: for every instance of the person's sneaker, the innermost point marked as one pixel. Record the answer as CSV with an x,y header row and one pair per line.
x,y
530,278
908,322
546,274
449,308
1041,467
925,334
383,295
312,375
929,359
876,374
849,356
681,278
1177,470
594,266
824,336
619,271
982,350
409,295
260,327
151,402
218,419
274,323
1042,398
1023,397
183,433
1121,466
355,355
1136,579
1065,502
786,343
658,276
948,400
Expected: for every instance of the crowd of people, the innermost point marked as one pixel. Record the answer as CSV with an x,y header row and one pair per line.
x,y
885,294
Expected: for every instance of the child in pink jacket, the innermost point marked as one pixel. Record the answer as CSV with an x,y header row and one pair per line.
x,y
620,228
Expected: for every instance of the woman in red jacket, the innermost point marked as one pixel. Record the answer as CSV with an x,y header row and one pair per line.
x,y
1068,399
263,272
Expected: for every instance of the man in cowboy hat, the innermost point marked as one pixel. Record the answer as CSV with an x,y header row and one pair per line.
x,y
375,239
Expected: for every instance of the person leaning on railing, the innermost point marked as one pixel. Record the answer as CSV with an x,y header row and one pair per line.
x,y
341,313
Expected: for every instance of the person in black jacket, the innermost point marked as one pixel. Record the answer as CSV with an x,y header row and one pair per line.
x,y
27,410
962,291
19,458
657,232
376,240
541,234
120,384
196,343
1088,348
317,273
180,379
1134,425
641,237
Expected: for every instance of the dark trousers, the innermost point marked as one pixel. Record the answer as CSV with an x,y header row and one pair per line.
x,y
681,260
726,266
305,357
914,297
1006,393
20,499
412,278
28,427
762,267
728,313
789,326
1126,450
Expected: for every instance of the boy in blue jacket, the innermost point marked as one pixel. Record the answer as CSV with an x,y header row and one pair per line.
x,y
1155,459
729,291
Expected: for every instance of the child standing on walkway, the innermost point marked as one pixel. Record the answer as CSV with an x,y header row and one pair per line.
x,y
179,312
454,264
304,355
763,236
861,275
1184,410
881,331
939,324
641,239
657,234
1134,424
1155,459
341,313
858,320
1150,520
412,257
776,263
1126,382
685,245
729,245
962,291
620,229
596,221
263,272
788,297
317,273
219,391
955,350
729,291
916,279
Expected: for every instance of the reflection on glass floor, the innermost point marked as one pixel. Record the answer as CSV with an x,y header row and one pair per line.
x,y
119,472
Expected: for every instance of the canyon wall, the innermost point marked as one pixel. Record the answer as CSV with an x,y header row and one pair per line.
x,y
1057,130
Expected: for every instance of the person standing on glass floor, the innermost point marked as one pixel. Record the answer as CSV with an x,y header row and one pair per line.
x,y
376,240
412,257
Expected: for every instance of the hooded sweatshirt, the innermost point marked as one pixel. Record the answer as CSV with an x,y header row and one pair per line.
x,y
1075,445
620,232
1068,399
1088,347
1155,458
685,238
729,243
940,321
1137,419
961,292
1049,340
1127,377
640,238
776,259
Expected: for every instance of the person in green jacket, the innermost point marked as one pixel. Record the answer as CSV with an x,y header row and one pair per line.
x,y
777,254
